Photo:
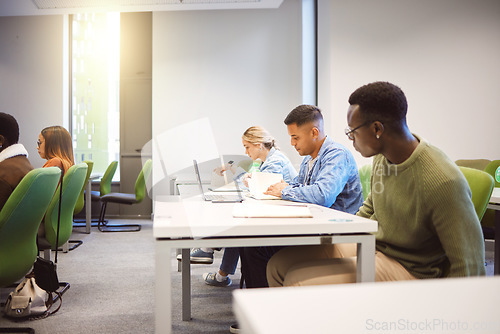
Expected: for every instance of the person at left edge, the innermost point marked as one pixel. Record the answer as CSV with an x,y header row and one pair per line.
x,y
14,163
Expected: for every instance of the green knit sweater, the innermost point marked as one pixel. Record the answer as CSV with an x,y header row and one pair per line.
x,y
426,219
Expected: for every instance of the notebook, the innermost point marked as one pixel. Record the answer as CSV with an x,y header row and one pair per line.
x,y
259,182
215,198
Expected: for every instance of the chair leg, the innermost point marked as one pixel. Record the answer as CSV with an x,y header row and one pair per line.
x,y
83,222
115,227
76,243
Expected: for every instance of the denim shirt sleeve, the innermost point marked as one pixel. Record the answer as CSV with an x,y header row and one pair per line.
x,y
329,177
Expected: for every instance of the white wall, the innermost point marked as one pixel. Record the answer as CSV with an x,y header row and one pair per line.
x,y
31,75
237,67
444,55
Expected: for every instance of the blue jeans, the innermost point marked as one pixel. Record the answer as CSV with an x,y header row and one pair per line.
x,y
229,260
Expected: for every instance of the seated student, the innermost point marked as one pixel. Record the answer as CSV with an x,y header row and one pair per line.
x,y
14,163
259,145
328,176
55,145
427,225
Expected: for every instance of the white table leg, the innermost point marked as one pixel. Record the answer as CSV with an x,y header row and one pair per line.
x,y
163,288
365,270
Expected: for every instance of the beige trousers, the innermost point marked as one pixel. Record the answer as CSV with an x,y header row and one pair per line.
x,y
327,264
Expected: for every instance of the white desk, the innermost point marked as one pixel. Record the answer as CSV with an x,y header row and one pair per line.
x,y
196,223
453,305
495,205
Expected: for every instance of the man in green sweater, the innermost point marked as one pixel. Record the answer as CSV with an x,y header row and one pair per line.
x,y
427,225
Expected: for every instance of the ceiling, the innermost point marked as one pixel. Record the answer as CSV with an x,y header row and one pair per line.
x,y
53,7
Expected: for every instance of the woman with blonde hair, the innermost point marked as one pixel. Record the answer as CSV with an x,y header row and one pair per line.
x,y
259,146
55,145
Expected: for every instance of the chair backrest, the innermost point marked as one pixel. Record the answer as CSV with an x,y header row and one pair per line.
x,y
140,183
80,201
365,176
473,163
491,169
105,187
19,221
481,185
72,185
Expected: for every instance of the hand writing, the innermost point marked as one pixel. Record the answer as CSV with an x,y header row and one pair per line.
x,y
276,189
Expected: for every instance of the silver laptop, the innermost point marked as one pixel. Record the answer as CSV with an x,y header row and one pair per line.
x,y
216,198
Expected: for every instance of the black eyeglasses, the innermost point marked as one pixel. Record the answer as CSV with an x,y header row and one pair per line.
x,y
350,132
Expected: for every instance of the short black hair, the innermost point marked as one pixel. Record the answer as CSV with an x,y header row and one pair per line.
x,y
380,101
304,114
9,128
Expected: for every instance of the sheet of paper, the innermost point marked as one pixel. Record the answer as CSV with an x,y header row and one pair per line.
x,y
259,182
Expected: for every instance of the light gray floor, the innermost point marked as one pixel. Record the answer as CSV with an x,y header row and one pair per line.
x,y
112,289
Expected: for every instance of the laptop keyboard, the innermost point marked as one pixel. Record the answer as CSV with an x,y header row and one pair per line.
x,y
217,197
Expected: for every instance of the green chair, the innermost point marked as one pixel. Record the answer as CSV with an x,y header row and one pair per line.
x,y
125,198
473,163
19,221
481,185
80,202
365,176
105,184
488,221
491,169
73,182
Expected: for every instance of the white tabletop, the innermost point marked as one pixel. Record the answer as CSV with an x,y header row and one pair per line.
x,y
194,218
462,305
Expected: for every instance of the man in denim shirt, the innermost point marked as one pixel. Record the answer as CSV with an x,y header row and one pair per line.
x,y
328,176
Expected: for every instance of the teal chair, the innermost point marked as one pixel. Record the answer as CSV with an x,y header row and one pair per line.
x,y
365,176
125,198
481,185
73,182
19,221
